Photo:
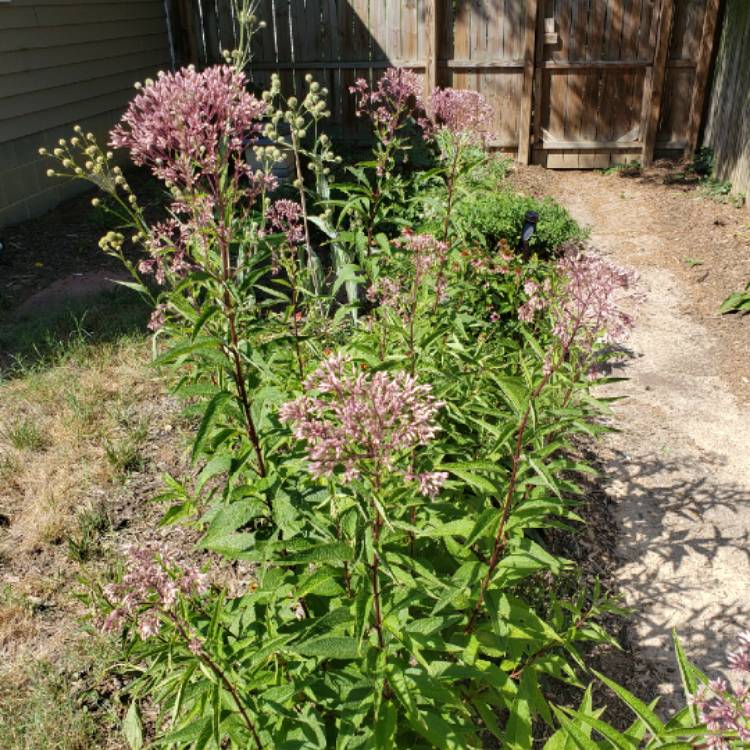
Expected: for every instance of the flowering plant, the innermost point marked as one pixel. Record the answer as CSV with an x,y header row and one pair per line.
x,y
389,476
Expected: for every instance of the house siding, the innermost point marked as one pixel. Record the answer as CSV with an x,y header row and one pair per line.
x,y
63,63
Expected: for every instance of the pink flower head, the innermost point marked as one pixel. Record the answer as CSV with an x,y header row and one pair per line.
x,y
286,216
427,252
186,125
726,711
588,307
430,482
739,659
363,424
396,96
152,583
463,113
158,318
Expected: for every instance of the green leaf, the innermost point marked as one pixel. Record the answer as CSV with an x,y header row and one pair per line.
x,y
135,286
328,647
615,738
687,673
132,727
477,481
637,706
518,731
385,726
515,392
208,418
578,736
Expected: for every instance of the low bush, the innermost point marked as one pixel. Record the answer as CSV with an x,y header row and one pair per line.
x,y
489,216
378,471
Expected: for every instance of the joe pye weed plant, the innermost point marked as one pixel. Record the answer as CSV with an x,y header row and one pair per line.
x,y
383,472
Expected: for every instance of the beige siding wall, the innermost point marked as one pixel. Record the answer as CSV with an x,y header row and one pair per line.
x,y
65,62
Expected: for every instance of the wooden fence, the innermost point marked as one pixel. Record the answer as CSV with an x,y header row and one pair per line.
x,y
573,83
728,126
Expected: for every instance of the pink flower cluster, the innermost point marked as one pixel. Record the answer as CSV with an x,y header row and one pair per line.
x,y
365,425
427,252
537,300
286,216
463,113
724,711
594,288
167,243
426,255
152,582
184,124
396,96
587,307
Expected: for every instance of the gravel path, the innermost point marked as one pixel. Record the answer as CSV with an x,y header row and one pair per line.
x,y
679,469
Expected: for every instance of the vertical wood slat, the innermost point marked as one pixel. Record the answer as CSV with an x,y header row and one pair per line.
x,y
540,95
652,91
431,44
708,39
211,32
227,39
527,90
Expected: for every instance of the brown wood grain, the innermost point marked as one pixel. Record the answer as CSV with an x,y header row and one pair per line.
x,y
655,84
702,71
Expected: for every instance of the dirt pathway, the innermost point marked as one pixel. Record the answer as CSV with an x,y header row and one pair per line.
x,y
679,469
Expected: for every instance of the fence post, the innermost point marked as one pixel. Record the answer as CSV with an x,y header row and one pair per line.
x,y
654,88
702,72
431,32
527,95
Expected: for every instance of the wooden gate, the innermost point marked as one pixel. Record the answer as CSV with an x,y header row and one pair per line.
x,y
618,80
573,83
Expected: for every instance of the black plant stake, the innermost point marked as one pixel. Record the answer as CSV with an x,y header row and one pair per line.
x,y
529,228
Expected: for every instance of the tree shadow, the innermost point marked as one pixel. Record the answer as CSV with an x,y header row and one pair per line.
x,y
684,550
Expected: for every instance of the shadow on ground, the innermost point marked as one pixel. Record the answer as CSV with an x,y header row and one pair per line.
x,y
671,512
43,334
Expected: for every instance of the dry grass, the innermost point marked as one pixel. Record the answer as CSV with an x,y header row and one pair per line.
x,y
85,436
64,432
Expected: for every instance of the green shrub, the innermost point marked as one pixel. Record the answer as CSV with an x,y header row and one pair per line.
x,y
489,217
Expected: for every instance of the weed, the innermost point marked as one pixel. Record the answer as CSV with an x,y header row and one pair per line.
x,y
9,466
67,706
125,454
721,192
25,434
703,162
628,169
85,543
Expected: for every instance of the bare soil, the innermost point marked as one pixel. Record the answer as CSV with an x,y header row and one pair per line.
x,y
677,471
